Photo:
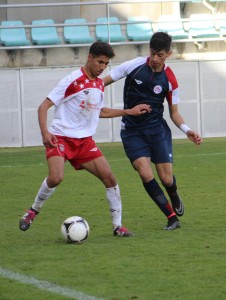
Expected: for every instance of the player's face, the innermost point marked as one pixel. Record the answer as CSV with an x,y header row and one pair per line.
x,y
97,64
157,59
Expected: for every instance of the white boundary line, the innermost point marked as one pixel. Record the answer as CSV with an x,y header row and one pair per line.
x,y
46,286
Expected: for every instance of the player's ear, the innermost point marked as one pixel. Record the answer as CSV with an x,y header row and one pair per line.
x,y
168,54
90,57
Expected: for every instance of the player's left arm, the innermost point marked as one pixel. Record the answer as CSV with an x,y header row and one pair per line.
x,y
180,123
137,110
108,80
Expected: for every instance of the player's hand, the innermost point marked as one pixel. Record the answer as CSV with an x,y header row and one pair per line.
x,y
49,140
140,109
194,137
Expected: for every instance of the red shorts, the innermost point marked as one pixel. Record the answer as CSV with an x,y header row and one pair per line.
x,y
76,151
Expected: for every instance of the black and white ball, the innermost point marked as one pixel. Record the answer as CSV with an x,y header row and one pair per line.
x,y
75,230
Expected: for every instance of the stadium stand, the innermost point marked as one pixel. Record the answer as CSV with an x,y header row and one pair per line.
x,y
78,33
13,36
44,35
221,24
106,30
202,26
132,29
173,25
139,28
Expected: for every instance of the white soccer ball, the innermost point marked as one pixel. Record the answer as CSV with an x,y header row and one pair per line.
x,y
75,229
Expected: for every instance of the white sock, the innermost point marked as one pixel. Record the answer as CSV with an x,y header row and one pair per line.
x,y
43,194
115,203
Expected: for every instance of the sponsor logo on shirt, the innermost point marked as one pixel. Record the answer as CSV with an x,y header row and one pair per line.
x,y
138,81
93,149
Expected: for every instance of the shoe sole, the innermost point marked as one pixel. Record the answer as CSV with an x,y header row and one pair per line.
x,y
124,235
174,226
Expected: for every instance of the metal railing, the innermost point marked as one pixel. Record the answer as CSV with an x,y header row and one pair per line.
x,y
107,4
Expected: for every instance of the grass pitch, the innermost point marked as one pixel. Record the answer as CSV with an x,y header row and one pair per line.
x,y
185,264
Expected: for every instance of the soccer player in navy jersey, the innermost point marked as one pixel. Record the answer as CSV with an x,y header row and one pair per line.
x,y
78,100
148,137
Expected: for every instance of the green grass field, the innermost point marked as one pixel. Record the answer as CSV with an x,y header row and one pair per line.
x,y
185,264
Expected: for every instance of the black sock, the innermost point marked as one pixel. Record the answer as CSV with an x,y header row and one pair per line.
x,y
173,218
155,192
172,191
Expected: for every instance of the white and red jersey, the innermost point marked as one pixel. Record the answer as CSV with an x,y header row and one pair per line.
x,y
78,101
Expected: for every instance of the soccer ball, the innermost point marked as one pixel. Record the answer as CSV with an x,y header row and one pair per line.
x,y
75,229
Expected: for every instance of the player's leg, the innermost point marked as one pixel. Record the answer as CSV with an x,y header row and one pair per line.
x,y
165,173
142,165
162,157
138,148
100,168
55,176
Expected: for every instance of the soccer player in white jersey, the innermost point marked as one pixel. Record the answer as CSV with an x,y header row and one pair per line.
x,y
148,137
79,103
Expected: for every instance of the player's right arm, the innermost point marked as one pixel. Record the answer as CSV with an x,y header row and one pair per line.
x,y
49,140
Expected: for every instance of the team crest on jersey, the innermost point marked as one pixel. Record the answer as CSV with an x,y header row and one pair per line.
x,y
61,147
157,89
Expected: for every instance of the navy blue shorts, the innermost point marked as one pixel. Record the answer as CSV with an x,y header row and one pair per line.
x,y
155,143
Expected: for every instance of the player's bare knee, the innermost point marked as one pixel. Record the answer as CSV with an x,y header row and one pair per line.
x,y
109,181
54,181
167,180
145,175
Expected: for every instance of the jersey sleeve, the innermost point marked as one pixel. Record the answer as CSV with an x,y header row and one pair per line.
x,y
126,68
58,93
173,94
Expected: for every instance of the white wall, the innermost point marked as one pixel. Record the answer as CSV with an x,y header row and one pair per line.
x,y
202,93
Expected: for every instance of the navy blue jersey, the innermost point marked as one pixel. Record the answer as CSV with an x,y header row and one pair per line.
x,y
142,85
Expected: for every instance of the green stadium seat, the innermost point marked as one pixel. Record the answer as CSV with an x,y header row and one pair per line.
x,y
112,32
202,26
173,25
220,23
13,36
139,31
44,35
77,34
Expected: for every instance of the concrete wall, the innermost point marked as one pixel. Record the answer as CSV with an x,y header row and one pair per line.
x,y
59,13
91,12
202,93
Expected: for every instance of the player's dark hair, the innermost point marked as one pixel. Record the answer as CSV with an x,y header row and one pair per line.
x,y
160,41
101,48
